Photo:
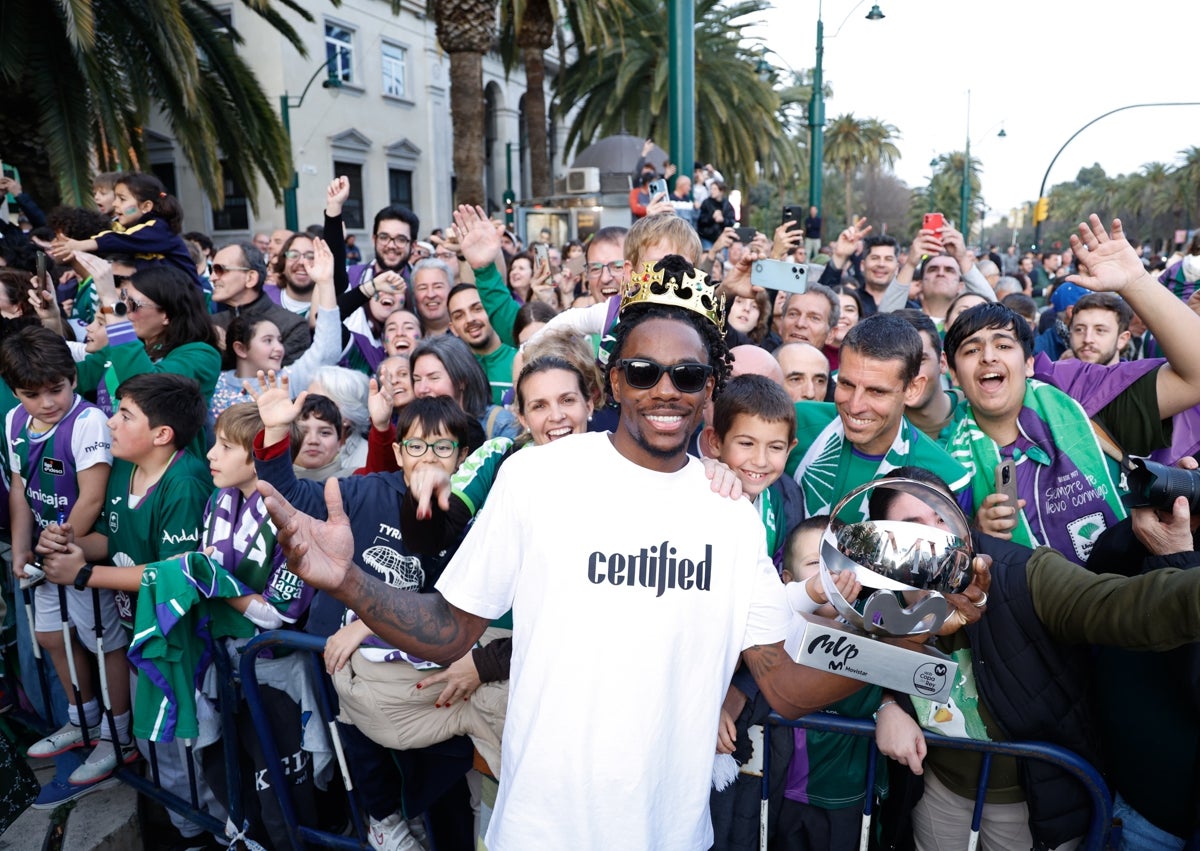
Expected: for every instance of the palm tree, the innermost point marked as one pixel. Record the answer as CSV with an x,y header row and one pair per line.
x,y
622,85
528,26
466,30
846,147
881,141
93,73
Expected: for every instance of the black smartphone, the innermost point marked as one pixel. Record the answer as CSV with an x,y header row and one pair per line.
x,y
746,235
42,279
793,215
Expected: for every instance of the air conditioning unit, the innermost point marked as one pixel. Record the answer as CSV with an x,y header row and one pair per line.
x,y
581,181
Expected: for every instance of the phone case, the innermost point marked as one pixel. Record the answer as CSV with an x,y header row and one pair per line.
x,y
780,275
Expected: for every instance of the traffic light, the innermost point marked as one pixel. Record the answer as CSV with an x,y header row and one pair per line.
x,y
509,202
1041,210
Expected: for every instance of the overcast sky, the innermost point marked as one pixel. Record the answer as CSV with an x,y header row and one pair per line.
x,y
1039,69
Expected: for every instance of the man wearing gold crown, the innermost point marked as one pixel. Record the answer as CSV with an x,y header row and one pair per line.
x,y
625,635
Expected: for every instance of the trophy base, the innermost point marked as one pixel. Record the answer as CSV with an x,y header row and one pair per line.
x,y
895,664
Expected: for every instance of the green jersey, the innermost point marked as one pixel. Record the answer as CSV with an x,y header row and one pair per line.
x,y
164,522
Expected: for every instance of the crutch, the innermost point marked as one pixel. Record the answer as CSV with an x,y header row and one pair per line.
x,y
107,701
70,649
27,586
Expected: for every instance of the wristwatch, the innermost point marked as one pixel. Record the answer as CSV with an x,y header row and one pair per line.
x,y
118,310
83,576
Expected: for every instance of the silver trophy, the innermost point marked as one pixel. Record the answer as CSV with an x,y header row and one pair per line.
x,y
896,558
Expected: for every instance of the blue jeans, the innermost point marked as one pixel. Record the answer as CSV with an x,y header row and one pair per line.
x,y
1138,834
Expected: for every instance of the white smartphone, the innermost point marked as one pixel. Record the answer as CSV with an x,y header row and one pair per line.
x,y
780,275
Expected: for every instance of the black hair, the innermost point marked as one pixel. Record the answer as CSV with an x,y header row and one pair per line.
x,y
887,337
178,297
34,357
241,330
987,316
325,409
146,187
881,499
77,222
458,288
200,238
401,213
532,311
922,321
168,399
755,396
884,239
434,413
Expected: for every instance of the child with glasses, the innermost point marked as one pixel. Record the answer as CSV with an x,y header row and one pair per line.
x,y
430,431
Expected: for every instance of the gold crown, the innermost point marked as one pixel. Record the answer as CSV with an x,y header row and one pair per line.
x,y
674,287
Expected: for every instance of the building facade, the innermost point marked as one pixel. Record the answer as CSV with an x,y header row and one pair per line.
x,y
386,126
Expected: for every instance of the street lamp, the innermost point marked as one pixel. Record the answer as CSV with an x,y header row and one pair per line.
x,y
286,105
816,107
1040,210
965,190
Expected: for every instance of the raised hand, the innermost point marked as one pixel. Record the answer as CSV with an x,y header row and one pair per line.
x,y
379,403
785,241
847,241
336,194
101,274
321,552
320,268
478,238
274,399
1106,263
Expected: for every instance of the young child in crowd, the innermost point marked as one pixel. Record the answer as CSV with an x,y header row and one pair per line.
x,y
152,511
436,429
59,452
317,437
150,221
104,187
823,792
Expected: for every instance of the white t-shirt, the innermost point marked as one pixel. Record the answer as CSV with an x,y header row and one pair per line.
x,y
618,668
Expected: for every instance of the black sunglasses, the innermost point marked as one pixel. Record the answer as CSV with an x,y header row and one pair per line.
x,y
642,374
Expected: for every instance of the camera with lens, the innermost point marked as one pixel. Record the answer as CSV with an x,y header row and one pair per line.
x,y
1154,485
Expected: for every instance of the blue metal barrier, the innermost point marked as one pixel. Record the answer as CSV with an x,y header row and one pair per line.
x,y
1084,772
300,835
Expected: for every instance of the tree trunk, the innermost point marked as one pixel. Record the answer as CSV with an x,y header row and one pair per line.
x,y
467,115
849,197
535,121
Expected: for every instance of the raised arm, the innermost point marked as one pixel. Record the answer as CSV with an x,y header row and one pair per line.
x,y
1109,264
321,553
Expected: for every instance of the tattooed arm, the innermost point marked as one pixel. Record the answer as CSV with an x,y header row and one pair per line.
x,y
792,689
321,553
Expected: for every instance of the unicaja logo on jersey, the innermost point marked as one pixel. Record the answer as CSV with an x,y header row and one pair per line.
x,y
655,567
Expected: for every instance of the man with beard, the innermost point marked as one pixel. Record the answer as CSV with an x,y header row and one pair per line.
x,y
470,323
393,234
1100,328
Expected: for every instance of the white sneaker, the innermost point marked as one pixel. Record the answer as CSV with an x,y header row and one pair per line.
x,y
100,763
65,738
393,834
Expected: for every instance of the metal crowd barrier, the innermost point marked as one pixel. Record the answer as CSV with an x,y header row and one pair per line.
x,y
1083,771
301,836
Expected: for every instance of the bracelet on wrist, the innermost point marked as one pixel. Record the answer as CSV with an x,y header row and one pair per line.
x,y
882,706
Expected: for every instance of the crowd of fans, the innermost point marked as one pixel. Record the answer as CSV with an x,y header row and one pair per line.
x,y
156,384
